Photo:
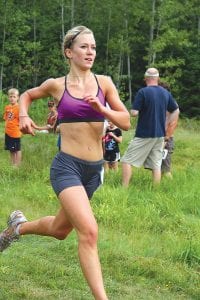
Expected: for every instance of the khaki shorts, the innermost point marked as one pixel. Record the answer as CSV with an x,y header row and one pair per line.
x,y
145,152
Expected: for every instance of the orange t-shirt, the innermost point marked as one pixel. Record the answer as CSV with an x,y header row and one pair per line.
x,y
11,117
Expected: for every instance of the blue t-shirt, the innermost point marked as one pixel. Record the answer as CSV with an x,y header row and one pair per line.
x,y
152,102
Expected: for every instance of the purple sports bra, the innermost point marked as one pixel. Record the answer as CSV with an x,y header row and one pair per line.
x,y
71,109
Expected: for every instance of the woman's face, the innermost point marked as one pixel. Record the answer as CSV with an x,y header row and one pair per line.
x,y
83,51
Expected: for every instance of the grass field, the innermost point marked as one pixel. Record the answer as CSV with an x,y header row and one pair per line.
x,y
149,241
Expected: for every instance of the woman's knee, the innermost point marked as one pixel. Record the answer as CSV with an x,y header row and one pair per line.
x,y
61,234
89,235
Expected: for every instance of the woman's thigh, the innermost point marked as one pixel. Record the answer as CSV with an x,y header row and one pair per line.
x,y
76,207
62,222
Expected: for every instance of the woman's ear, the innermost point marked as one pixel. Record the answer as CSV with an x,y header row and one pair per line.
x,y
68,53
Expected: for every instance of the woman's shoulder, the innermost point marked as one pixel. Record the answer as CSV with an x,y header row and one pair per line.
x,y
53,87
103,78
54,81
105,82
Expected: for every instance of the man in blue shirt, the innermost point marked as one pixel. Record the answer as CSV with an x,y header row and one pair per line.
x,y
151,104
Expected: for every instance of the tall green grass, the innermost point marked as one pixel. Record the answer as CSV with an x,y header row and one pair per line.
x,y
149,241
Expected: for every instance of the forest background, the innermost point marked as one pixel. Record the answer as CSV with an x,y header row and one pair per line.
x,y
131,35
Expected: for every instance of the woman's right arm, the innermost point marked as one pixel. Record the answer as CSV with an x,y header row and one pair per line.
x,y
27,125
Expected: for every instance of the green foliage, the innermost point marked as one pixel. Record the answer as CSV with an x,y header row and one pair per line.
x,y
190,84
31,34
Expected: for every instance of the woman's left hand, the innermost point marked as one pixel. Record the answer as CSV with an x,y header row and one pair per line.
x,y
94,102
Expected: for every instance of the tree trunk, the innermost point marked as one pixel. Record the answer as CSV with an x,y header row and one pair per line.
x,y
34,52
119,64
128,62
157,34
129,77
62,20
72,13
151,33
108,37
198,41
3,49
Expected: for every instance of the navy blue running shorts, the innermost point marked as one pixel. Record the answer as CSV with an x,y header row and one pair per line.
x,y
67,171
12,144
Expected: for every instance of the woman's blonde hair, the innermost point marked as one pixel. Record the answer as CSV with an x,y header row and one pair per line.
x,y
71,36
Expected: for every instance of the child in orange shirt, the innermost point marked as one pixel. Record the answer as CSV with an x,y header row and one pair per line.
x,y
12,132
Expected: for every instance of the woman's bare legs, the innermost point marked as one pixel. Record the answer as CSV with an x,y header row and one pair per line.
x,y
56,226
75,213
77,206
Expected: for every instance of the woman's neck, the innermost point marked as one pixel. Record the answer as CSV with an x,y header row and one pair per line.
x,y
80,76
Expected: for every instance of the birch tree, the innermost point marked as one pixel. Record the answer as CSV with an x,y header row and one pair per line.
x,y
2,57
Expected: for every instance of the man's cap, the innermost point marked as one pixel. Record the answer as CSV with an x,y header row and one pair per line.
x,y
151,72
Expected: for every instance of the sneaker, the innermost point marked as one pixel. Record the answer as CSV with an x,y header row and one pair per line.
x,y
10,234
16,217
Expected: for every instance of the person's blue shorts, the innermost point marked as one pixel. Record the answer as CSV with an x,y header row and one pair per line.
x,y
67,171
12,144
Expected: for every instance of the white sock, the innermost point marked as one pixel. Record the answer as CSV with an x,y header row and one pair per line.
x,y
17,229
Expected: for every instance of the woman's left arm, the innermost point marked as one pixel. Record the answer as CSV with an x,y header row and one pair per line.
x,y
117,113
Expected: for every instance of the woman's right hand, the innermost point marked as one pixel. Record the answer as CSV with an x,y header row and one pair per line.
x,y
27,125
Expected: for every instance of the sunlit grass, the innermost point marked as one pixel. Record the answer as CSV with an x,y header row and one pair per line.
x,y
148,237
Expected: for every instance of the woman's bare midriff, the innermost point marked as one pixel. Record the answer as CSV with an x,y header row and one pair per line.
x,y
82,140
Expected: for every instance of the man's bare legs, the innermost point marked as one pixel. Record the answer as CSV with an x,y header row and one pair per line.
x,y
75,213
126,174
156,176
